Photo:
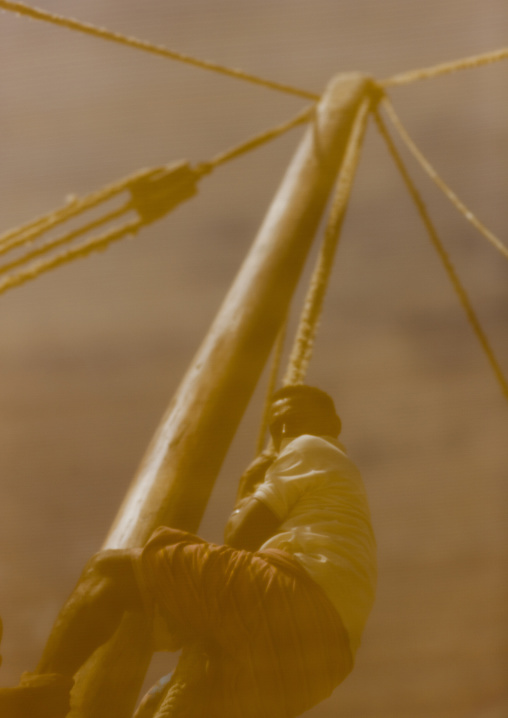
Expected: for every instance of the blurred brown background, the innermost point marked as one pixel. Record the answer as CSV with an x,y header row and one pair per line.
x,y
90,354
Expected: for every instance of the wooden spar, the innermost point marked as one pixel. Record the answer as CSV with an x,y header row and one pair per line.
x,y
178,471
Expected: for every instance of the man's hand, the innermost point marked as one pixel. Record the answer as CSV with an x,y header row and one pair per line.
x,y
251,522
254,475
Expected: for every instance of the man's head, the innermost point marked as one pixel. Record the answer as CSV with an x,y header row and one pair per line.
x,y
300,409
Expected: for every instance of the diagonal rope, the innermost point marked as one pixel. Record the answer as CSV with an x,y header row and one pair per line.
x,y
154,192
449,193
92,245
303,346
438,246
403,78
30,231
63,239
255,142
33,229
466,63
103,33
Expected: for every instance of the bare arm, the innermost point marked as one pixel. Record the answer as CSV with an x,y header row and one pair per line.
x,y
251,522
254,475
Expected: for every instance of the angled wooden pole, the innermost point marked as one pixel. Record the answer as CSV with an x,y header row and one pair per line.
x,y
178,471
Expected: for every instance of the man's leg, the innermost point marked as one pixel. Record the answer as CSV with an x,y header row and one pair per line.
x,y
92,613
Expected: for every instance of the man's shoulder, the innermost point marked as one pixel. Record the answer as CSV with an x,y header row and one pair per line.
x,y
310,443
318,453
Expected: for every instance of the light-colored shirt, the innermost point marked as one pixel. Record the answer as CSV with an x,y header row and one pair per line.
x,y
318,495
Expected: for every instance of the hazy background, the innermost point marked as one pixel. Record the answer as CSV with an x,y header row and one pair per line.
x,y
91,354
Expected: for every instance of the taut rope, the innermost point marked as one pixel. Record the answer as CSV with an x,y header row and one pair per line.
x,y
89,29
306,333
445,259
449,193
154,193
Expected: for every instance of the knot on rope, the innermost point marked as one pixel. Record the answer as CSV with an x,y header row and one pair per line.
x,y
161,190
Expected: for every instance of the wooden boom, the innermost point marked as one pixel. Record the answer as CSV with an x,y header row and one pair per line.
x,y
178,472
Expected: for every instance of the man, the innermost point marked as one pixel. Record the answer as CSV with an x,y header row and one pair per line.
x,y
281,608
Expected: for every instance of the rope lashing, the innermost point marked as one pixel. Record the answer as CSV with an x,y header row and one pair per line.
x,y
154,192
157,193
89,29
449,193
309,320
447,264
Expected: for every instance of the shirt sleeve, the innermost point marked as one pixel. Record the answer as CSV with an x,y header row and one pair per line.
x,y
286,480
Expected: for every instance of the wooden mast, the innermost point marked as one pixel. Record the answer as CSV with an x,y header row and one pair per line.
x,y
177,474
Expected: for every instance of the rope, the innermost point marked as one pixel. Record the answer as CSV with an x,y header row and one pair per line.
x,y
306,333
151,701
92,245
449,193
403,78
35,228
438,246
89,29
154,192
272,382
466,63
64,239
32,230
255,142
185,695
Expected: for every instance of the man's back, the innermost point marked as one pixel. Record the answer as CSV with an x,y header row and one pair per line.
x,y
319,497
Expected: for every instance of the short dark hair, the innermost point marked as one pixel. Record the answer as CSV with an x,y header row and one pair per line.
x,y
310,411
